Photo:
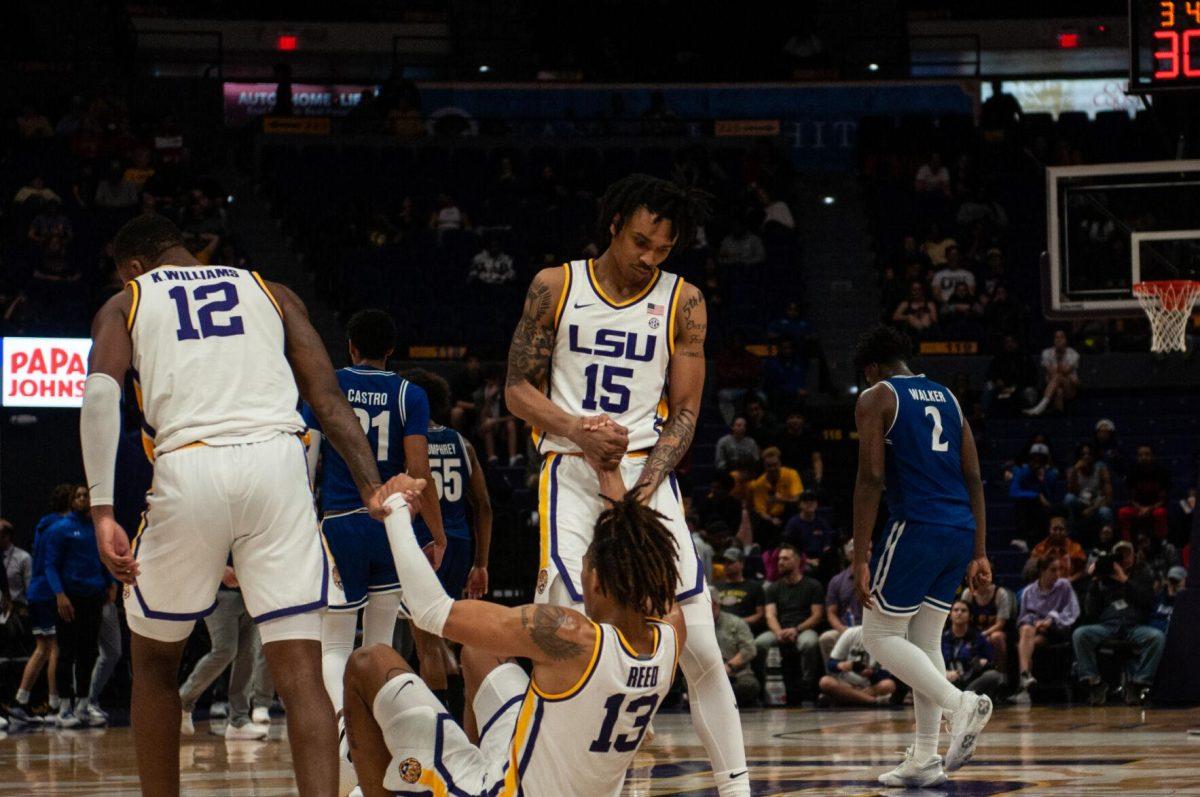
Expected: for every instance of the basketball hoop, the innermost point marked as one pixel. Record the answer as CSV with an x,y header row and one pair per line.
x,y
1169,304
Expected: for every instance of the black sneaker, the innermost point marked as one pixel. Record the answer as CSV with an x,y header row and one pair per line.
x,y
1136,694
21,713
1098,693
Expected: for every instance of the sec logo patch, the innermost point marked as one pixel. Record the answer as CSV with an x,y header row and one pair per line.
x,y
654,323
410,770
543,577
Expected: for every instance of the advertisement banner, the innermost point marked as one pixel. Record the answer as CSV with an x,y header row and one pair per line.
x,y
816,123
247,101
44,372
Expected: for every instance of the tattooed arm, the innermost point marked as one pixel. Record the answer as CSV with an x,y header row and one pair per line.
x,y
686,386
529,372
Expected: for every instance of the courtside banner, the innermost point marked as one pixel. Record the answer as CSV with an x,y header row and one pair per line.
x,y
44,372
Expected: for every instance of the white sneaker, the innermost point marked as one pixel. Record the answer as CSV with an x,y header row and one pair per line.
x,y
261,716
251,730
912,775
356,792
965,727
67,719
218,710
92,716
3,724
185,724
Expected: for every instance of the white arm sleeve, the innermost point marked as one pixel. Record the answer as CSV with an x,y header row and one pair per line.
x,y
427,602
99,434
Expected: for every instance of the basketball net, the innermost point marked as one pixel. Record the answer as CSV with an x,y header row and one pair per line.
x,y
1169,304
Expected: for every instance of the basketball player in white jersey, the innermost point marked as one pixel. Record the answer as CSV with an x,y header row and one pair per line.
x,y
220,359
570,730
608,362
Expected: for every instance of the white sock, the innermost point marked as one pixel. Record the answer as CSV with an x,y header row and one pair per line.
x,y
337,643
884,637
54,701
379,619
82,704
925,631
23,697
714,708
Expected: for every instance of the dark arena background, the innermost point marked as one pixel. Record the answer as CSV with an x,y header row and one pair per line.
x,y
993,179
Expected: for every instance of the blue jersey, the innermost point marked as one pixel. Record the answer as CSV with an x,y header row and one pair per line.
x,y
451,468
925,480
389,409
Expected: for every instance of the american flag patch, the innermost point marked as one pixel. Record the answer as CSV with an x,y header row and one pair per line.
x,y
655,309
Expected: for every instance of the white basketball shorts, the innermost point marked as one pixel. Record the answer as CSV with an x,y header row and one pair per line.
x,y
431,753
569,503
251,501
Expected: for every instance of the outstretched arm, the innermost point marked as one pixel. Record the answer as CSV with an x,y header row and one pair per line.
x,y
549,635
529,370
872,414
481,508
686,387
319,387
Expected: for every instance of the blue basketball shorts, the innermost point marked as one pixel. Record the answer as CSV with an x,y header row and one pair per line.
x,y
362,558
919,563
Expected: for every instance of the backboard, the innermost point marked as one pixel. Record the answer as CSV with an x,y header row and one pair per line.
x,y
1115,224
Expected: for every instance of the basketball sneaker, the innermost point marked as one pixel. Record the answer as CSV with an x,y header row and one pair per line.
x,y
913,775
90,714
185,725
66,717
248,731
20,713
965,727
261,716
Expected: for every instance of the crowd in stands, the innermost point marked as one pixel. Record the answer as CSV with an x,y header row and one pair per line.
x,y
71,173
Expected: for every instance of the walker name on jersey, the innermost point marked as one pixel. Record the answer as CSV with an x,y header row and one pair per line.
x,y
192,274
927,395
366,398
615,343
642,677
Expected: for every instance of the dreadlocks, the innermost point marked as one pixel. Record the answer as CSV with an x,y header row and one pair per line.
x,y
686,208
634,556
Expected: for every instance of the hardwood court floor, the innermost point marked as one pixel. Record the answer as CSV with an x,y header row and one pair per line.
x,y
1025,751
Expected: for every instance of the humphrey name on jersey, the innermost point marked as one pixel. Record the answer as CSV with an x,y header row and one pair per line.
x,y
927,395
642,677
615,343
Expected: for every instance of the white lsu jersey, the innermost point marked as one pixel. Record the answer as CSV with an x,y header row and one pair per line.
x,y
208,358
581,742
612,357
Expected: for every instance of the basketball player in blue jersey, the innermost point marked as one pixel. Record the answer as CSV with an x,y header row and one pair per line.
x,y
221,359
569,729
912,440
460,481
607,364
394,415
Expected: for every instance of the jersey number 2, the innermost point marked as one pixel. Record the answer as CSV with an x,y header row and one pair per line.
x,y
938,443
209,327
643,707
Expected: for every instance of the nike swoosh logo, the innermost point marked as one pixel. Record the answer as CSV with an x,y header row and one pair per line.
x,y
579,306
736,775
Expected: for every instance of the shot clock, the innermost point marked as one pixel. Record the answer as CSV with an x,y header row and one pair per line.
x,y
1164,44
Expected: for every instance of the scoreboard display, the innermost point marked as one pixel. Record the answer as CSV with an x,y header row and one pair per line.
x,y
1164,44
